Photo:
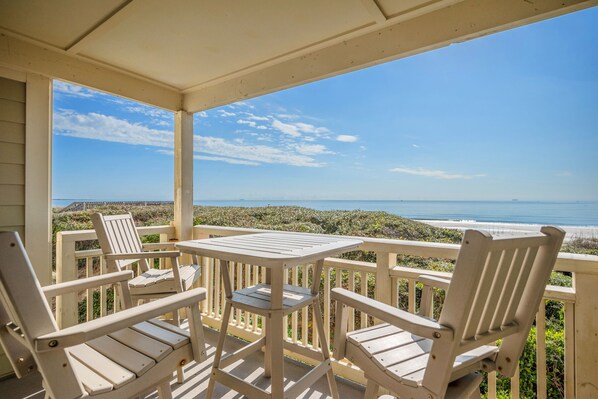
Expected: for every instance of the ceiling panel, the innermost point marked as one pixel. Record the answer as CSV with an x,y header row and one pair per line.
x,y
394,8
191,42
56,22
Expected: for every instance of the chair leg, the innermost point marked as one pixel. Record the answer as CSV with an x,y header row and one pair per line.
x,y
325,349
180,375
371,390
164,391
219,348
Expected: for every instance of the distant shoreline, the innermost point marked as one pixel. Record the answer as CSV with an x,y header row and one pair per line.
x,y
501,228
581,217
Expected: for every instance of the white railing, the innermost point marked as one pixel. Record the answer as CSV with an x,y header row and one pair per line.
x,y
384,280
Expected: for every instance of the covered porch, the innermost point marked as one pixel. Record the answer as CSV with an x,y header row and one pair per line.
x,y
106,49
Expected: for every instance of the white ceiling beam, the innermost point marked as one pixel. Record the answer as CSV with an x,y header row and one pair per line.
x,y
462,21
104,26
16,53
374,10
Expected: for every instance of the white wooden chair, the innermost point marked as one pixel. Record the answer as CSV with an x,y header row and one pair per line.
x,y
117,356
494,294
122,248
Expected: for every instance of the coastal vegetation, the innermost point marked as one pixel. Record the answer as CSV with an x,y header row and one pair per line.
x,y
365,224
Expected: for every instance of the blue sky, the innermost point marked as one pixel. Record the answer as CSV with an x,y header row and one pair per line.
x,y
511,115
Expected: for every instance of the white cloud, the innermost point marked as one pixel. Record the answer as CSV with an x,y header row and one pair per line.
x,y
209,158
307,128
437,174
257,118
225,113
246,122
312,149
286,128
362,148
223,159
243,104
414,145
108,128
345,138
202,114
150,111
256,153
288,116
73,90
295,129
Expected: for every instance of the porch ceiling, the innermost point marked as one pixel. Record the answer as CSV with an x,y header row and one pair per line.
x,y
195,55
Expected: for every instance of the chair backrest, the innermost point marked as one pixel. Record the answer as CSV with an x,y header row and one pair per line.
x,y
494,293
117,235
26,315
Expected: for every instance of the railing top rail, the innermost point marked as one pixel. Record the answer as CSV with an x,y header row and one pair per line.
x,y
566,262
85,235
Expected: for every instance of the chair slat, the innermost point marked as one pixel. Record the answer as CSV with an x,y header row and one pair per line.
x,y
108,369
174,340
127,357
92,382
520,285
496,291
483,288
142,343
508,288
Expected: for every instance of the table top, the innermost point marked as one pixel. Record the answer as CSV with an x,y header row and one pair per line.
x,y
271,249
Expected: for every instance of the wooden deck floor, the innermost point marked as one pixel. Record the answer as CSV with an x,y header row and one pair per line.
x,y
197,375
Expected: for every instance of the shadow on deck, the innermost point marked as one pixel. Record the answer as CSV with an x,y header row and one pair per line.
x,y
197,376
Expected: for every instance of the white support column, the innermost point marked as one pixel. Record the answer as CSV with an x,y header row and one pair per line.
x,y
38,175
183,175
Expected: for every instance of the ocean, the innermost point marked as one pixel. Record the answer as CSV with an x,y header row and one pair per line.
x,y
575,213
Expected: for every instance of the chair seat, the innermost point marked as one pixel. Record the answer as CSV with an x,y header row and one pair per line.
x,y
162,280
112,361
402,356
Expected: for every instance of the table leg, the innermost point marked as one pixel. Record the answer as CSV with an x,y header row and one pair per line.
x,y
275,334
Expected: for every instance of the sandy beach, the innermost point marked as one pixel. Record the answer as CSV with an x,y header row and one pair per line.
x,y
497,228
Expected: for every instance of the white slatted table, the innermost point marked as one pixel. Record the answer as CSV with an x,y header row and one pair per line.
x,y
273,300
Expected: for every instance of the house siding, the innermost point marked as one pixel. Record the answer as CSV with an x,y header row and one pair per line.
x,y
12,156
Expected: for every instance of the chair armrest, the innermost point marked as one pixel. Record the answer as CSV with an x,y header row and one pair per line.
x,y
54,290
85,332
436,282
158,245
143,255
407,321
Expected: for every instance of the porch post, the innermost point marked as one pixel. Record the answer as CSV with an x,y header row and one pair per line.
x,y
38,180
183,175
586,334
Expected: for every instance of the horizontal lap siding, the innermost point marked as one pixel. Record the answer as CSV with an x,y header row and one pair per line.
x,y
12,156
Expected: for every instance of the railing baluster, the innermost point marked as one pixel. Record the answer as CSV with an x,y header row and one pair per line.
x,y
103,291
541,350
89,291
327,304
569,350
239,285
294,316
364,291
304,314
411,295
492,385
515,385
352,289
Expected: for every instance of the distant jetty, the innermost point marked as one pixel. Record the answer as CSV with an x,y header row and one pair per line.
x,y
84,205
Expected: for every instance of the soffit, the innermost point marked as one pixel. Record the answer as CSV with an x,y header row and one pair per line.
x,y
55,22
